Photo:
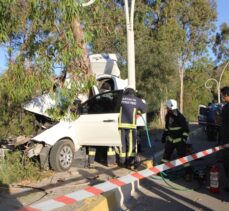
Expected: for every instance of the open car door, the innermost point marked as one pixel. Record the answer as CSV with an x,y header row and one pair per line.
x,y
98,122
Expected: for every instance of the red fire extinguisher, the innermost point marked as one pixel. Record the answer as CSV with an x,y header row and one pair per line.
x,y
214,179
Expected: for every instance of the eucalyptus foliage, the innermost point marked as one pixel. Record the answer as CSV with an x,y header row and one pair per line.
x,y
221,44
42,36
40,39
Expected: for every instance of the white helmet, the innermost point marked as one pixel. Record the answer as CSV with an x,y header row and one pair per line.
x,y
171,104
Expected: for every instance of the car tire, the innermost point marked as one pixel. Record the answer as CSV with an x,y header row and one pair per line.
x,y
61,155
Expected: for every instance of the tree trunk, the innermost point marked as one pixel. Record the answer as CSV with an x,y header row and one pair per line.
x,y
181,74
83,62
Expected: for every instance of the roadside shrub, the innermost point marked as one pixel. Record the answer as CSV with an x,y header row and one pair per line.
x,y
15,168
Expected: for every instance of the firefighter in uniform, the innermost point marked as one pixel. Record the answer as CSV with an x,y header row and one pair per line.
x,y
130,106
175,135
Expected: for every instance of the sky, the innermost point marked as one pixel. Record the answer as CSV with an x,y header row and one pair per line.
x,y
223,16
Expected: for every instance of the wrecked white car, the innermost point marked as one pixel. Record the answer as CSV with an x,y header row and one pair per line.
x,y
97,124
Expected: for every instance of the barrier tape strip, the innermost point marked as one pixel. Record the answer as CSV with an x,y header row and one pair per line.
x,y
112,184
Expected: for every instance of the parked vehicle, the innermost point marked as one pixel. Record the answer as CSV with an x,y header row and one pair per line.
x,y
202,115
209,118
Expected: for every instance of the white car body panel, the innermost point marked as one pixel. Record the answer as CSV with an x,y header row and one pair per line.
x,y
59,131
118,82
104,64
93,130
88,129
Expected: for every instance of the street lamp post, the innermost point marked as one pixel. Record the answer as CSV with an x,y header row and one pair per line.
x,y
130,42
218,83
220,78
209,86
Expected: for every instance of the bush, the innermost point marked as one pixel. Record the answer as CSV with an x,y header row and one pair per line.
x,y
15,167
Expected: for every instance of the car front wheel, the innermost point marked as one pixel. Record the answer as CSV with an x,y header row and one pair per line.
x,y
61,155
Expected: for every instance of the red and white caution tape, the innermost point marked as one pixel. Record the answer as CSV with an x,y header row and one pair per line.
x,y
112,184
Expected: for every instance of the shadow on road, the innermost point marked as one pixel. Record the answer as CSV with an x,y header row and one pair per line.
x,y
7,200
162,199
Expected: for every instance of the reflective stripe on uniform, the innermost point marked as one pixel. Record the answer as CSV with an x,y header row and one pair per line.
x,y
134,117
110,152
127,125
130,143
185,134
174,128
176,140
122,154
91,152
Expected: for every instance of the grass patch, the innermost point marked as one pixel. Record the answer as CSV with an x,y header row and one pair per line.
x,y
15,167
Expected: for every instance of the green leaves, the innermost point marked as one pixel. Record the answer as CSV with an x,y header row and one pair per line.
x,y
169,35
221,43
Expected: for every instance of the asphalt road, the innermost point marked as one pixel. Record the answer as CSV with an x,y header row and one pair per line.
x,y
177,194
154,193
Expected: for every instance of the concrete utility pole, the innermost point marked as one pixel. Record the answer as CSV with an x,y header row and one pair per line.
x,y
130,42
130,39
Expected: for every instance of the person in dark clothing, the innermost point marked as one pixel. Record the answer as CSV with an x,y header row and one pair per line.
x,y
225,131
175,134
130,106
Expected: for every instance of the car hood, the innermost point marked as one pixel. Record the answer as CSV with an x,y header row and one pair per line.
x,y
40,104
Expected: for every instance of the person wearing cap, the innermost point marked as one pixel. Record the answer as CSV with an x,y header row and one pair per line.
x,y
175,134
130,106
